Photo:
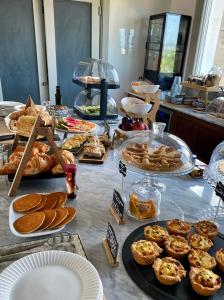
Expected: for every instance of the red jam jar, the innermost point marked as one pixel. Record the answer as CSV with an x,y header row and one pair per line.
x,y
70,171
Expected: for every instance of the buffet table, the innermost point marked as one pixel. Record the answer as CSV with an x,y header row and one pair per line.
x,y
96,184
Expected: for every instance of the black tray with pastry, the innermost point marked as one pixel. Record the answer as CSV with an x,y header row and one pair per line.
x,y
145,278
41,165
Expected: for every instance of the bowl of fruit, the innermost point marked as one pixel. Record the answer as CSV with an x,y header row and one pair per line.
x,y
135,106
130,127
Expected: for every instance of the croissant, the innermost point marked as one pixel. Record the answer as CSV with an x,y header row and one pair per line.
x,y
68,158
39,164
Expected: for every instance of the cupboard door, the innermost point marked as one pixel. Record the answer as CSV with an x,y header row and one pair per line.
x,y
18,56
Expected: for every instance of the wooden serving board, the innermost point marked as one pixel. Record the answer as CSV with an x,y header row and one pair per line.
x,y
94,160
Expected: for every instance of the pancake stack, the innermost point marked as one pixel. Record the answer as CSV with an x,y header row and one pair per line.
x,y
42,212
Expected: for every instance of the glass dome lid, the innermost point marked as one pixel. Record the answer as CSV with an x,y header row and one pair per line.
x,y
215,170
216,106
156,154
92,71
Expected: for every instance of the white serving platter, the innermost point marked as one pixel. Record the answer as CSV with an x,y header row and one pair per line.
x,y
14,216
10,103
51,275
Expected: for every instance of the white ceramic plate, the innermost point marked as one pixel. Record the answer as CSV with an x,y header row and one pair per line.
x,y
50,275
7,123
10,103
13,216
21,106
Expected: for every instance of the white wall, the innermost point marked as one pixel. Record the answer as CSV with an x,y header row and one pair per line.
x,y
133,14
130,14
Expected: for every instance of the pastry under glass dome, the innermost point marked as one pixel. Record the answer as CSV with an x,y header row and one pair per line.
x,y
92,71
215,170
154,140
216,107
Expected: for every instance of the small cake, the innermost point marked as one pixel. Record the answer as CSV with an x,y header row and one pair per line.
x,y
206,228
176,246
204,282
219,256
178,227
155,233
145,252
199,258
198,241
168,270
142,209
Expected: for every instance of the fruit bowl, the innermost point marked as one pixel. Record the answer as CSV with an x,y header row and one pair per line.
x,y
131,133
135,106
130,127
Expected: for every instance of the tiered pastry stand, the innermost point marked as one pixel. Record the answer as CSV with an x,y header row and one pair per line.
x,y
154,140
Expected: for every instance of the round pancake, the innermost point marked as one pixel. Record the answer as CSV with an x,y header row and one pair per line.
x,y
51,201
38,207
29,223
61,214
27,202
50,215
62,197
70,216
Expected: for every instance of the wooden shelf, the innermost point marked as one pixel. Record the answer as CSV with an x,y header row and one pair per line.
x,y
195,86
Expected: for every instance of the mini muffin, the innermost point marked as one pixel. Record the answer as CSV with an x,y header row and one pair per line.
x,y
219,256
145,252
204,282
176,246
206,228
198,258
168,270
155,233
198,241
178,227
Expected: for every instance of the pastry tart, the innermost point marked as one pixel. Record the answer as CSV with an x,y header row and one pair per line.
x,y
145,252
206,228
178,227
176,246
155,233
199,258
204,282
168,270
198,241
219,256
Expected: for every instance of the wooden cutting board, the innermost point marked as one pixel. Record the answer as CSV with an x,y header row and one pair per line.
x,y
94,160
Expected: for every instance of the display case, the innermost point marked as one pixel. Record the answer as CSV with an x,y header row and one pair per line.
x,y
166,48
96,77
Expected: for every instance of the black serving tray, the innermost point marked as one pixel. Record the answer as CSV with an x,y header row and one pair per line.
x,y
110,86
41,176
93,117
144,277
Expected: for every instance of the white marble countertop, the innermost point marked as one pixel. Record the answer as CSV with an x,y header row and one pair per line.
x,y
96,184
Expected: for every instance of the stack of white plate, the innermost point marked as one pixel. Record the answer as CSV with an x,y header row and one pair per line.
x,y
51,275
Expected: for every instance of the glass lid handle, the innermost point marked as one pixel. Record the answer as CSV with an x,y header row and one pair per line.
x,y
158,128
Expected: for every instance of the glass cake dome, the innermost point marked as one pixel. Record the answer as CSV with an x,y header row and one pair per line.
x,y
88,103
92,71
215,170
216,107
156,153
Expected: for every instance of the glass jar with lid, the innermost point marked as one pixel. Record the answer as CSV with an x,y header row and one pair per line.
x,y
144,201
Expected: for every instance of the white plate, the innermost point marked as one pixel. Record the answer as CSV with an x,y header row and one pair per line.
x,y
78,132
13,216
21,106
7,123
10,103
50,275
131,133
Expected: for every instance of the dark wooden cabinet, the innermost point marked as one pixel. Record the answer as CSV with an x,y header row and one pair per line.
x,y
201,136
